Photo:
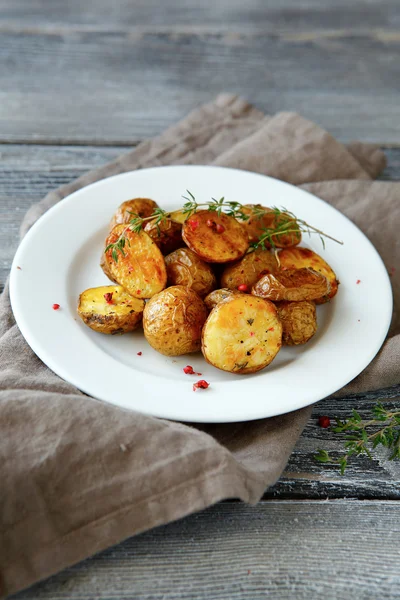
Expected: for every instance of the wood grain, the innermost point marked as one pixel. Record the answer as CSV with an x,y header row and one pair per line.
x,y
105,87
233,551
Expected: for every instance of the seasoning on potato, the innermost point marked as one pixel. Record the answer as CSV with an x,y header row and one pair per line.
x,y
140,269
293,285
299,321
215,238
173,320
262,218
242,334
296,258
184,267
167,234
109,309
140,207
249,269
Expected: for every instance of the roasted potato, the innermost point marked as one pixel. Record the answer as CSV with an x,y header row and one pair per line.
x,y
109,309
178,216
296,258
262,217
293,285
141,269
166,234
249,269
173,320
215,238
141,207
299,321
218,296
184,267
242,334
104,266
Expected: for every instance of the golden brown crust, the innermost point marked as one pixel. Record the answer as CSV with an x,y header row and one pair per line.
x,y
167,234
215,238
242,334
249,269
296,258
120,314
269,219
293,285
217,296
142,270
141,207
173,320
299,321
184,267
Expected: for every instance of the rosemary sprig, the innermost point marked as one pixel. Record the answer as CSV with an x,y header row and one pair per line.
x,y
360,440
286,223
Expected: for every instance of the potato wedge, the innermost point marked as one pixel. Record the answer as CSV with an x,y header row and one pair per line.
x,y
167,234
296,258
299,321
109,309
184,267
142,270
249,269
293,285
262,217
142,207
242,335
173,320
217,296
215,238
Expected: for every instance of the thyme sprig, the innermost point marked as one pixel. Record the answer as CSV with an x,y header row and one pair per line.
x,y
233,209
360,439
286,223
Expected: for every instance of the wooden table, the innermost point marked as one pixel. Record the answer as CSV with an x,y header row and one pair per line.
x,y
80,83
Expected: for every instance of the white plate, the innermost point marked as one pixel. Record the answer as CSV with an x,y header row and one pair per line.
x,y
59,258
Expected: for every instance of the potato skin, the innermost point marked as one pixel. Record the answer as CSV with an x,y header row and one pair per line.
x,y
123,315
143,207
259,221
173,320
249,269
296,258
299,321
293,285
242,334
142,270
217,296
167,234
184,267
200,233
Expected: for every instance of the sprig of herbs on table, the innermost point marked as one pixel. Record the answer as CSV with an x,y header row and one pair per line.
x,y
361,436
286,222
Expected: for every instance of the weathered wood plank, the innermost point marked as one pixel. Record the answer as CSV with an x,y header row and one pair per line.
x,y
220,16
105,87
234,551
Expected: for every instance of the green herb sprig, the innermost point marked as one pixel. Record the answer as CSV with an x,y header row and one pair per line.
x,y
360,439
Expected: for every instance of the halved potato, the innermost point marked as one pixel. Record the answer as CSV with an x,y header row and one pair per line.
x,y
109,309
242,335
293,285
215,238
178,216
184,267
142,207
262,217
249,269
299,321
218,296
173,320
296,258
166,234
141,271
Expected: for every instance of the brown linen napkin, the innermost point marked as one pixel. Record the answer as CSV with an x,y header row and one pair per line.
x,y
77,475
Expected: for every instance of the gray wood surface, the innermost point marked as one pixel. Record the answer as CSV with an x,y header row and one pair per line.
x,y
101,72
281,550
